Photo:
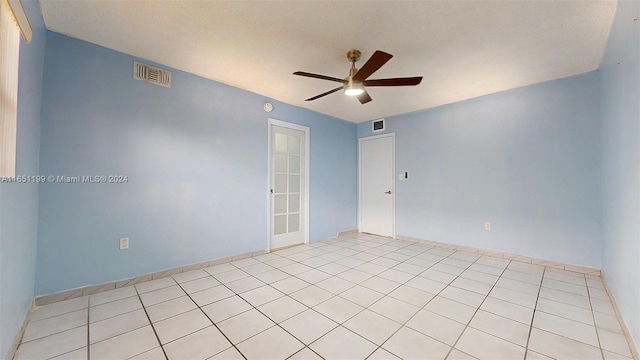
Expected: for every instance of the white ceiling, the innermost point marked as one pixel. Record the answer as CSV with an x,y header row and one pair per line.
x,y
463,49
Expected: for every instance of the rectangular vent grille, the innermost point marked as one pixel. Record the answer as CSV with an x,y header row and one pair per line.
x,y
150,74
378,125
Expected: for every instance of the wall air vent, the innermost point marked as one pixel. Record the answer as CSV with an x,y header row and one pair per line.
x,y
150,74
377,125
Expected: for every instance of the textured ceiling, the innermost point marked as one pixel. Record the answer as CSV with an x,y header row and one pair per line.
x,y
463,49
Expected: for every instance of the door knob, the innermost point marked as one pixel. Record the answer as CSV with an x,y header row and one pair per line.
x,y
388,192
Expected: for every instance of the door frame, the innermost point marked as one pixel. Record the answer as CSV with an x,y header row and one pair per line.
x,y
393,176
305,207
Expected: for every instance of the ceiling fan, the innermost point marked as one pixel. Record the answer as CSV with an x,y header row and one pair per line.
x,y
355,83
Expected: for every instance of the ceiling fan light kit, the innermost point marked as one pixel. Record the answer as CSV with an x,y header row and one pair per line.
x,y
355,83
353,89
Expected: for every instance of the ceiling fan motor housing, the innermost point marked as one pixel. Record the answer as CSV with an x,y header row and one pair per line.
x,y
353,55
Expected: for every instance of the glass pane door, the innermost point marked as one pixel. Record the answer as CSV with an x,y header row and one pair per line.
x,y
287,164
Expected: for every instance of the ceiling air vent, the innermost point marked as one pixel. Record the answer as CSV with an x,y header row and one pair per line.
x,y
150,74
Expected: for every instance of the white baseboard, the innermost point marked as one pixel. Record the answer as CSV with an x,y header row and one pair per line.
x,y
625,329
18,338
576,268
347,232
94,289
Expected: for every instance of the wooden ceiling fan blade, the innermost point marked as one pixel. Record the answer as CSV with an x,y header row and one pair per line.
x,y
364,97
324,94
409,81
318,76
372,65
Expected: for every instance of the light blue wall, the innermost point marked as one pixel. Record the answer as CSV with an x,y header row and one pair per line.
x,y
196,160
19,202
620,83
525,160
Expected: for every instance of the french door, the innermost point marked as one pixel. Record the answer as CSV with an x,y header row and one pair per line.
x,y
288,184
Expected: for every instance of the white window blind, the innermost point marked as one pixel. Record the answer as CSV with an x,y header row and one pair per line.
x,y
9,52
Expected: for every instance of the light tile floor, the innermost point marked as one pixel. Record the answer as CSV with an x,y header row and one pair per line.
x,y
354,297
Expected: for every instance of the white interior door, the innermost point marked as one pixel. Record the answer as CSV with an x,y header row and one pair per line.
x,y
377,190
288,186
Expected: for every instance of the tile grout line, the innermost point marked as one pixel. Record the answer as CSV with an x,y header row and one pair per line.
x,y
435,295
152,327
594,320
476,310
356,284
571,305
367,308
308,307
566,318
562,302
285,330
480,256
212,322
427,303
311,308
631,344
526,349
305,347
285,295
561,316
616,315
547,299
253,307
88,327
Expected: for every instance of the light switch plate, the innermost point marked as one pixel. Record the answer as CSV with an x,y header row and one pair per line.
x,y
124,243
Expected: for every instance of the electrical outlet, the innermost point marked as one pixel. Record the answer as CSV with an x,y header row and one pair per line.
x,y
124,243
487,226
